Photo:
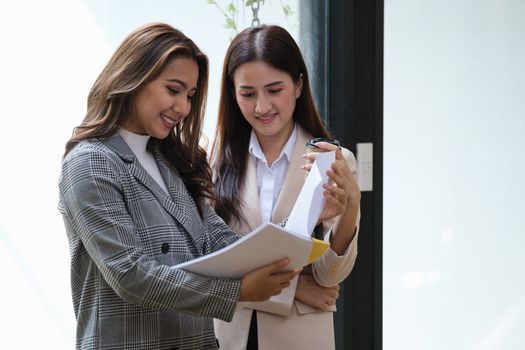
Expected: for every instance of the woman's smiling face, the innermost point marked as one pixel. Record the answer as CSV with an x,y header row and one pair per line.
x,y
165,101
266,97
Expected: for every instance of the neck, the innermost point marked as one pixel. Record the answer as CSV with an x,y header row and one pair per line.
x,y
137,142
273,145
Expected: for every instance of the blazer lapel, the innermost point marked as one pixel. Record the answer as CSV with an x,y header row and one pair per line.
x,y
178,202
250,199
181,203
293,181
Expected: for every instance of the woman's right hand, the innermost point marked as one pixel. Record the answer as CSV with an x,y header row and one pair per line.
x,y
311,293
266,281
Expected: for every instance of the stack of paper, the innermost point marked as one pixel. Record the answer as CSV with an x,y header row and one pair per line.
x,y
260,247
269,242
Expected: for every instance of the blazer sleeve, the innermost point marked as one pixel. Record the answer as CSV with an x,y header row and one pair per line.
x,y
220,234
331,269
92,200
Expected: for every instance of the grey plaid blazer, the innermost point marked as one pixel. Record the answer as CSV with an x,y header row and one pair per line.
x,y
124,233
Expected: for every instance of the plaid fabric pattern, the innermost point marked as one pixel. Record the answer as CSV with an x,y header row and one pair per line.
x,y
124,233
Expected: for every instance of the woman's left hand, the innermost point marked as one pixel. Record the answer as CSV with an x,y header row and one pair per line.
x,y
311,293
341,192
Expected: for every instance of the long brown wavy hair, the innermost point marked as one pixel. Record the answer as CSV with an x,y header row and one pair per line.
x,y
139,59
274,46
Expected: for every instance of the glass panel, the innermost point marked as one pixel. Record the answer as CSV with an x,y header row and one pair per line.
x,y
454,175
52,52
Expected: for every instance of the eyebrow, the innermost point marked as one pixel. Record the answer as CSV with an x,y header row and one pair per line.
x,y
184,85
266,86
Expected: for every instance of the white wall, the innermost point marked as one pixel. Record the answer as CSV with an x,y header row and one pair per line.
x,y
51,53
454,174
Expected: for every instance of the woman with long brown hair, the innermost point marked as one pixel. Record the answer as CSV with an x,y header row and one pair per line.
x,y
133,194
266,116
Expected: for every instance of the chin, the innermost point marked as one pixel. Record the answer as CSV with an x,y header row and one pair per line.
x,y
268,132
164,136
160,135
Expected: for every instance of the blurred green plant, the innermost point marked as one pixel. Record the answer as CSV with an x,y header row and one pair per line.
x,y
230,11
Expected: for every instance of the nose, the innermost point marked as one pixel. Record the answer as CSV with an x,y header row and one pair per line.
x,y
263,105
182,106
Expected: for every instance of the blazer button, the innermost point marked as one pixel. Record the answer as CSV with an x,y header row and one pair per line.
x,y
165,248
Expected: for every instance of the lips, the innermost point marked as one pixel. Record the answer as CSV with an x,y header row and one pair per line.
x,y
266,119
169,122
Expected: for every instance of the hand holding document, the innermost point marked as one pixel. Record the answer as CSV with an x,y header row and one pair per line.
x,y
269,242
310,202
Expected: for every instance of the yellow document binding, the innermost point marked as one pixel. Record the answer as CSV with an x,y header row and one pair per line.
x,y
319,247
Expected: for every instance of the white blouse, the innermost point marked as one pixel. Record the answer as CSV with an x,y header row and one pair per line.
x,y
138,144
270,179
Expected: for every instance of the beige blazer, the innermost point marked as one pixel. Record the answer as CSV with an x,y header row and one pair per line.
x,y
283,322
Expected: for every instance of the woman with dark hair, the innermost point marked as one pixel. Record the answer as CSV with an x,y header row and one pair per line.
x,y
133,192
266,116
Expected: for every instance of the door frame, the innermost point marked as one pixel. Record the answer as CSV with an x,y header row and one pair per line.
x,y
342,42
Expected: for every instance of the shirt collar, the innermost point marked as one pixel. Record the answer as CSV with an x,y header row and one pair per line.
x,y
256,151
136,142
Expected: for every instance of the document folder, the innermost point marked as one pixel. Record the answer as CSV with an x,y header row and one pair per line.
x,y
260,247
269,242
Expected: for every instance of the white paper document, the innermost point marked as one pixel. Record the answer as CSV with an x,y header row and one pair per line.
x,y
269,242
310,201
260,247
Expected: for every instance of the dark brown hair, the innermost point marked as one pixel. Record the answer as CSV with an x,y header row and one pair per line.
x,y
139,59
274,46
